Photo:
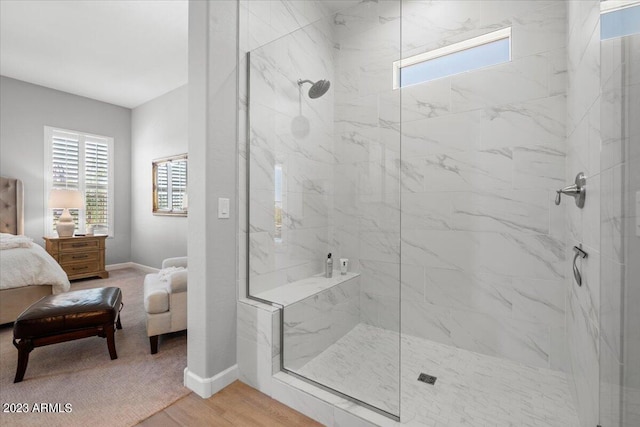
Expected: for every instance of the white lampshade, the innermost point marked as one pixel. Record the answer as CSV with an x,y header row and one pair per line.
x,y
72,199
65,199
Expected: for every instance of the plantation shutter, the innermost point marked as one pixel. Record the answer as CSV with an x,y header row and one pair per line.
x,y
163,186
65,161
96,185
178,184
77,161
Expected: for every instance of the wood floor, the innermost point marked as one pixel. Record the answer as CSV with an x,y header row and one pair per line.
x,y
236,405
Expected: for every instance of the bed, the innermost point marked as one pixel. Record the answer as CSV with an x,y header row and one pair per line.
x,y
27,272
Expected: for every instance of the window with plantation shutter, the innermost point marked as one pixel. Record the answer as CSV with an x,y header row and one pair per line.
x,y
82,162
170,185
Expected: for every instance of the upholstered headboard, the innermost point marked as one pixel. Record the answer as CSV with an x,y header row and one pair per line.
x,y
11,206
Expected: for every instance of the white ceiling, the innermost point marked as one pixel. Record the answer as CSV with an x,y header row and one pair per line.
x,y
124,52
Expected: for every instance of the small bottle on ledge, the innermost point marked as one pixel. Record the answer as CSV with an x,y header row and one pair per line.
x,y
329,267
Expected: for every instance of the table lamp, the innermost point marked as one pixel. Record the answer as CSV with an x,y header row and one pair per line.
x,y
65,199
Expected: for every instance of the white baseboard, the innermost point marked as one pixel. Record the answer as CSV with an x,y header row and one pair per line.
x,y
122,265
207,387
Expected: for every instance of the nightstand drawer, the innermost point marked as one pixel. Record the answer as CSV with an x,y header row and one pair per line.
x,y
66,258
81,268
78,245
79,256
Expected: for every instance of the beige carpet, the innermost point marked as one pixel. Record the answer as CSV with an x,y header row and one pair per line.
x,y
102,392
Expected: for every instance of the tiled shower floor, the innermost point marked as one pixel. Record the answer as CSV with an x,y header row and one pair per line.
x,y
471,390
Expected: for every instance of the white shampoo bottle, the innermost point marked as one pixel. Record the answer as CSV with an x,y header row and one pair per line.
x,y
328,272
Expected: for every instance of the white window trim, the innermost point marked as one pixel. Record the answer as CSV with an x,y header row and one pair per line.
x,y
48,174
504,33
614,5
170,161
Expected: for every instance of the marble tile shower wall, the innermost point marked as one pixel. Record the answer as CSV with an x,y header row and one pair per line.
x,y
366,215
263,22
292,132
483,251
583,225
481,153
314,324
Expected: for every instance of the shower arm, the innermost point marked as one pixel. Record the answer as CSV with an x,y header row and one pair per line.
x,y
301,82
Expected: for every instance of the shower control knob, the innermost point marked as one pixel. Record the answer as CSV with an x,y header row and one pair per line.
x,y
577,191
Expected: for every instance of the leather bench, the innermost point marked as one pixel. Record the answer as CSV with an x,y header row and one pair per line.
x,y
65,317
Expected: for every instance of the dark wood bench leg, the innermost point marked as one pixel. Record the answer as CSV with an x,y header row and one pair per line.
x,y
24,348
153,341
111,342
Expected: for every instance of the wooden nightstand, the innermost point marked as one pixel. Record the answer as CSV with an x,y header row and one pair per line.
x,y
79,256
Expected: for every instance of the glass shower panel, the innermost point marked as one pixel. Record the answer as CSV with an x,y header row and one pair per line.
x,y
290,158
619,359
324,178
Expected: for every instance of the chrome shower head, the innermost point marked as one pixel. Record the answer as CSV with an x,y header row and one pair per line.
x,y
318,88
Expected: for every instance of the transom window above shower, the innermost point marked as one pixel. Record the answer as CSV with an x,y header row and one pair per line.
x,y
471,54
619,18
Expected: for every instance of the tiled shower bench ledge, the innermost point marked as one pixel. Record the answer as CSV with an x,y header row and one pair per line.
x,y
297,291
259,344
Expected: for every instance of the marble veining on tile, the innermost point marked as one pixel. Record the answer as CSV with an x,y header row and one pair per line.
x,y
472,389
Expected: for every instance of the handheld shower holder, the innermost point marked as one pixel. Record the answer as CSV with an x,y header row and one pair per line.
x,y
580,253
577,191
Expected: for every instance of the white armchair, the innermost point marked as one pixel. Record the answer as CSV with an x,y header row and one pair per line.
x,y
165,300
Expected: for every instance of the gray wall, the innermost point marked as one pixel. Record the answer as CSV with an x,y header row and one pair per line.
x,y
213,161
158,129
24,111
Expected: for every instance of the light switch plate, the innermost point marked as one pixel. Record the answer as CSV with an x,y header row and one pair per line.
x,y
637,213
223,208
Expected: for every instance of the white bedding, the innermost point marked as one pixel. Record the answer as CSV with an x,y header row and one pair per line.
x,y
9,241
32,265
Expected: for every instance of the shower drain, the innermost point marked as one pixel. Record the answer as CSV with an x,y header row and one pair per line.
x,y
425,378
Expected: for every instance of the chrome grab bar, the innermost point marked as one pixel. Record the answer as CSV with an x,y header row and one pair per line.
x,y
577,191
576,271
